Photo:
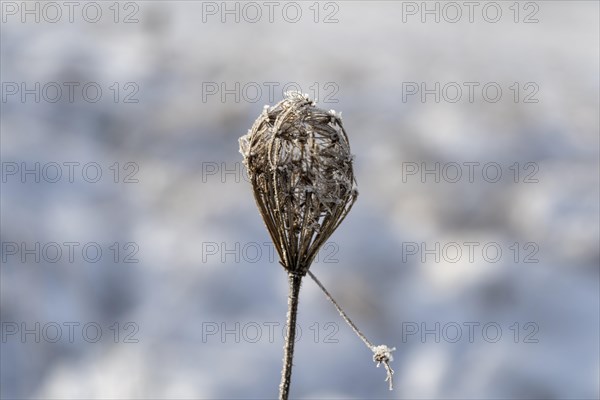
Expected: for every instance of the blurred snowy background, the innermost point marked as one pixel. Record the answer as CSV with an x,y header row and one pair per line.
x,y
200,314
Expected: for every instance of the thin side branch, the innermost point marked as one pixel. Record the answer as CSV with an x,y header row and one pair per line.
x,y
382,354
342,312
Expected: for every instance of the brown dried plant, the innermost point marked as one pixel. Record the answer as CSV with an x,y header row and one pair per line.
x,y
300,165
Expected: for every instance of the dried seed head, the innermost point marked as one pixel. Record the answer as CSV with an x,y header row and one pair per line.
x,y
299,162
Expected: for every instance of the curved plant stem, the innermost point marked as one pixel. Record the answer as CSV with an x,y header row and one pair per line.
x,y
290,339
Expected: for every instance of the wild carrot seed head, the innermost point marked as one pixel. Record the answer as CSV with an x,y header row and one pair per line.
x,y
300,165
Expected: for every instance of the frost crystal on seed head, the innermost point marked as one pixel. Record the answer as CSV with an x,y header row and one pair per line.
x,y
245,145
383,355
335,114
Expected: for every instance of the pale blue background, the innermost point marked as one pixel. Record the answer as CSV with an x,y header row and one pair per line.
x,y
171,134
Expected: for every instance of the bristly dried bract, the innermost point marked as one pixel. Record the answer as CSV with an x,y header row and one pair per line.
x,y
299,162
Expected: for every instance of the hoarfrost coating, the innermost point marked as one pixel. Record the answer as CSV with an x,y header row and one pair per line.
x,y
300,165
